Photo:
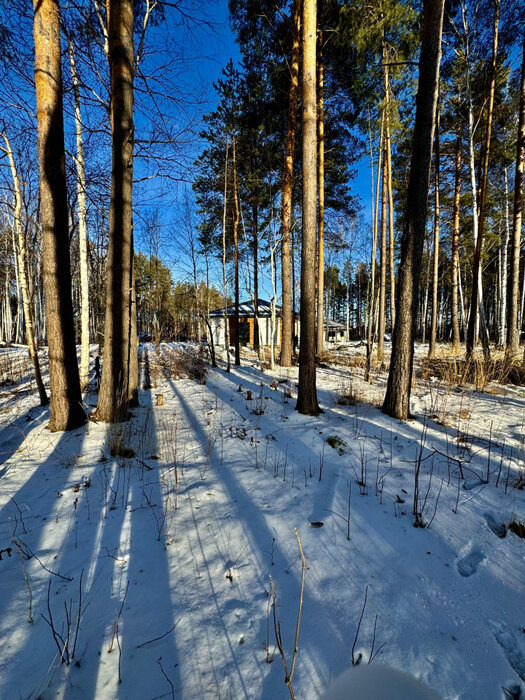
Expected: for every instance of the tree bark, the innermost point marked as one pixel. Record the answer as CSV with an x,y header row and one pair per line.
x,y
82,225
133,383
286,207
391,230
224,280
382,259
435,267
513,335
456,341
255,243
115,384
66,399
370,324
476,272
504,261
384,190
307,392
397,399
320,166
236,254
21,258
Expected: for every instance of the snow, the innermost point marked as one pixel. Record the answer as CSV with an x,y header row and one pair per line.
x,y
164,565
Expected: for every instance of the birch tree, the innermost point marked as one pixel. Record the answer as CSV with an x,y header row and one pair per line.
x,y
82,223
21,261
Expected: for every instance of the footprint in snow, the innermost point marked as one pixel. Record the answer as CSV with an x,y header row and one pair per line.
x,y
513,648
469,565
497,527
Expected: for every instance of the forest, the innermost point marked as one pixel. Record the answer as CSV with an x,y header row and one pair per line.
x,y
237,194
262,282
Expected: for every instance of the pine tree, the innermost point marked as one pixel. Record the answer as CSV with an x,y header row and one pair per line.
x,y
117,366
307,392
397,399
67,411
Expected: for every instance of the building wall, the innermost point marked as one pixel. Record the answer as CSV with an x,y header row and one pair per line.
x,y
217,325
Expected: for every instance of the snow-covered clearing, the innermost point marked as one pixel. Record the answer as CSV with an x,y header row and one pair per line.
x,y
154,570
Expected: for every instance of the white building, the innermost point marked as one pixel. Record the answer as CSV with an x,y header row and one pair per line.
x,y
247,324
334,332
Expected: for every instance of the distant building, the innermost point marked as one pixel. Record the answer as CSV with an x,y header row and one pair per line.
x,y
247,323
336,331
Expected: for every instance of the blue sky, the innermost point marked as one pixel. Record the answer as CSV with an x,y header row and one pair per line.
x,y
206,51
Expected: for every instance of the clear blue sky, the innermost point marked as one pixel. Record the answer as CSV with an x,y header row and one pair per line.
x,y
206,49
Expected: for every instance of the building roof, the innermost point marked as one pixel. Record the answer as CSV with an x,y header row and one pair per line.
x,y
246,309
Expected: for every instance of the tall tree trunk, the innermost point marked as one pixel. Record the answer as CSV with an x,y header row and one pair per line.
x,y
397,399
288,324
456,341
17,335
66,399
384,189
224,281
21,258
369,335
236,254
255,243
133,383
513,335
391,230
307,392
504,261
115,383
476,273
320,165
382,258
424,306
82,225
435,267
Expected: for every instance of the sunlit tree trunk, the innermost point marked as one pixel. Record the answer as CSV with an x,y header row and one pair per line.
x,y
479,218
391,229
66,400
435,267
115,384
82,226
255,244
371,299
382,261
456,341
21,259
513,335
307,391
504,261
286,206
133,383
384,192
236,254
224,280
397,399
320,166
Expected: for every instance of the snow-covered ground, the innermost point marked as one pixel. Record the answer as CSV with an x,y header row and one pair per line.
x,y
155,575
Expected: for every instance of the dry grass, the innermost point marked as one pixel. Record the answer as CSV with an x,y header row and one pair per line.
x,y
347,394
460,371
13,367
183,362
